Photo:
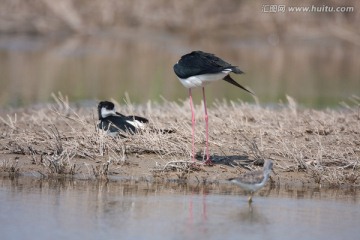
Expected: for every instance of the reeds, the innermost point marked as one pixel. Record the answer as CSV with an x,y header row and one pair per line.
x,y
10,166
323,145
232,17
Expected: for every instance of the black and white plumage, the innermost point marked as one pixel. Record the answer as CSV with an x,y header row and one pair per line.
x,y
197,69
112,122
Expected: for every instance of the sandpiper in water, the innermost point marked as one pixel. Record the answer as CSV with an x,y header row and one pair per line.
x,y
255,180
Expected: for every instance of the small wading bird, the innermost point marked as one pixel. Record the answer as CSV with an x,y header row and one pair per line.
x,y
197,69
255,180
112,122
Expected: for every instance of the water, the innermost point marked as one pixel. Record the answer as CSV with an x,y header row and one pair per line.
x,y
316,72
62,209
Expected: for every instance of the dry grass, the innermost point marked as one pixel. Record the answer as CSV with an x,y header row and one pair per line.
x,y
323,145
9,166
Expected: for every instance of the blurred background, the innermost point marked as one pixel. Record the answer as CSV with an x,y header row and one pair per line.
x,y
94,50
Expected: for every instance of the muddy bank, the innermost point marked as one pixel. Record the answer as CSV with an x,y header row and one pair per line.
x,y
308,147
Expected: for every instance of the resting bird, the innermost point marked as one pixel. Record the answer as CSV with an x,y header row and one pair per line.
x,y
113,122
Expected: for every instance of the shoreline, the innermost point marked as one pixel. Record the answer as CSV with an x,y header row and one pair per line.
x,y
308,147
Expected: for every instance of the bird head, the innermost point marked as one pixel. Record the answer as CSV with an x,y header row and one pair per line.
x,y
105,109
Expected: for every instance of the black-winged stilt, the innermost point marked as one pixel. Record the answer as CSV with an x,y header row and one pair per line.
x,y
255,180
197,69
113,122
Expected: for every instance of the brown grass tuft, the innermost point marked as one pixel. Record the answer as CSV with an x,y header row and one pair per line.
x,y
10,166
322,145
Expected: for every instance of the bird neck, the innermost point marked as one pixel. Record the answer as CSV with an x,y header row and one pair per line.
x,y
266,175
106,113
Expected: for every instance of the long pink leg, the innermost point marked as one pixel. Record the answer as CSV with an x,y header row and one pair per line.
x,y
193,125
208,161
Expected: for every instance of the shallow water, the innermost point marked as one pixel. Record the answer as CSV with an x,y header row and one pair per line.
x,y
315,72
63,209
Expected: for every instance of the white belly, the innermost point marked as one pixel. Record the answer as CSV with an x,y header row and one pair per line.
x,y
202,80
250,187
137,124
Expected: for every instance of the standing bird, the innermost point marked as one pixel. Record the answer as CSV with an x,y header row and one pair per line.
x,y
197,69
255,180
113,122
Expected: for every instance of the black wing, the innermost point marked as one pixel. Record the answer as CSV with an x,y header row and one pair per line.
x,y
198,62
114,124
132,118
137,118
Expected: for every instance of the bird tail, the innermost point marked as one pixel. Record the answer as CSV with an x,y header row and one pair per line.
x,y
233,82
140,119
